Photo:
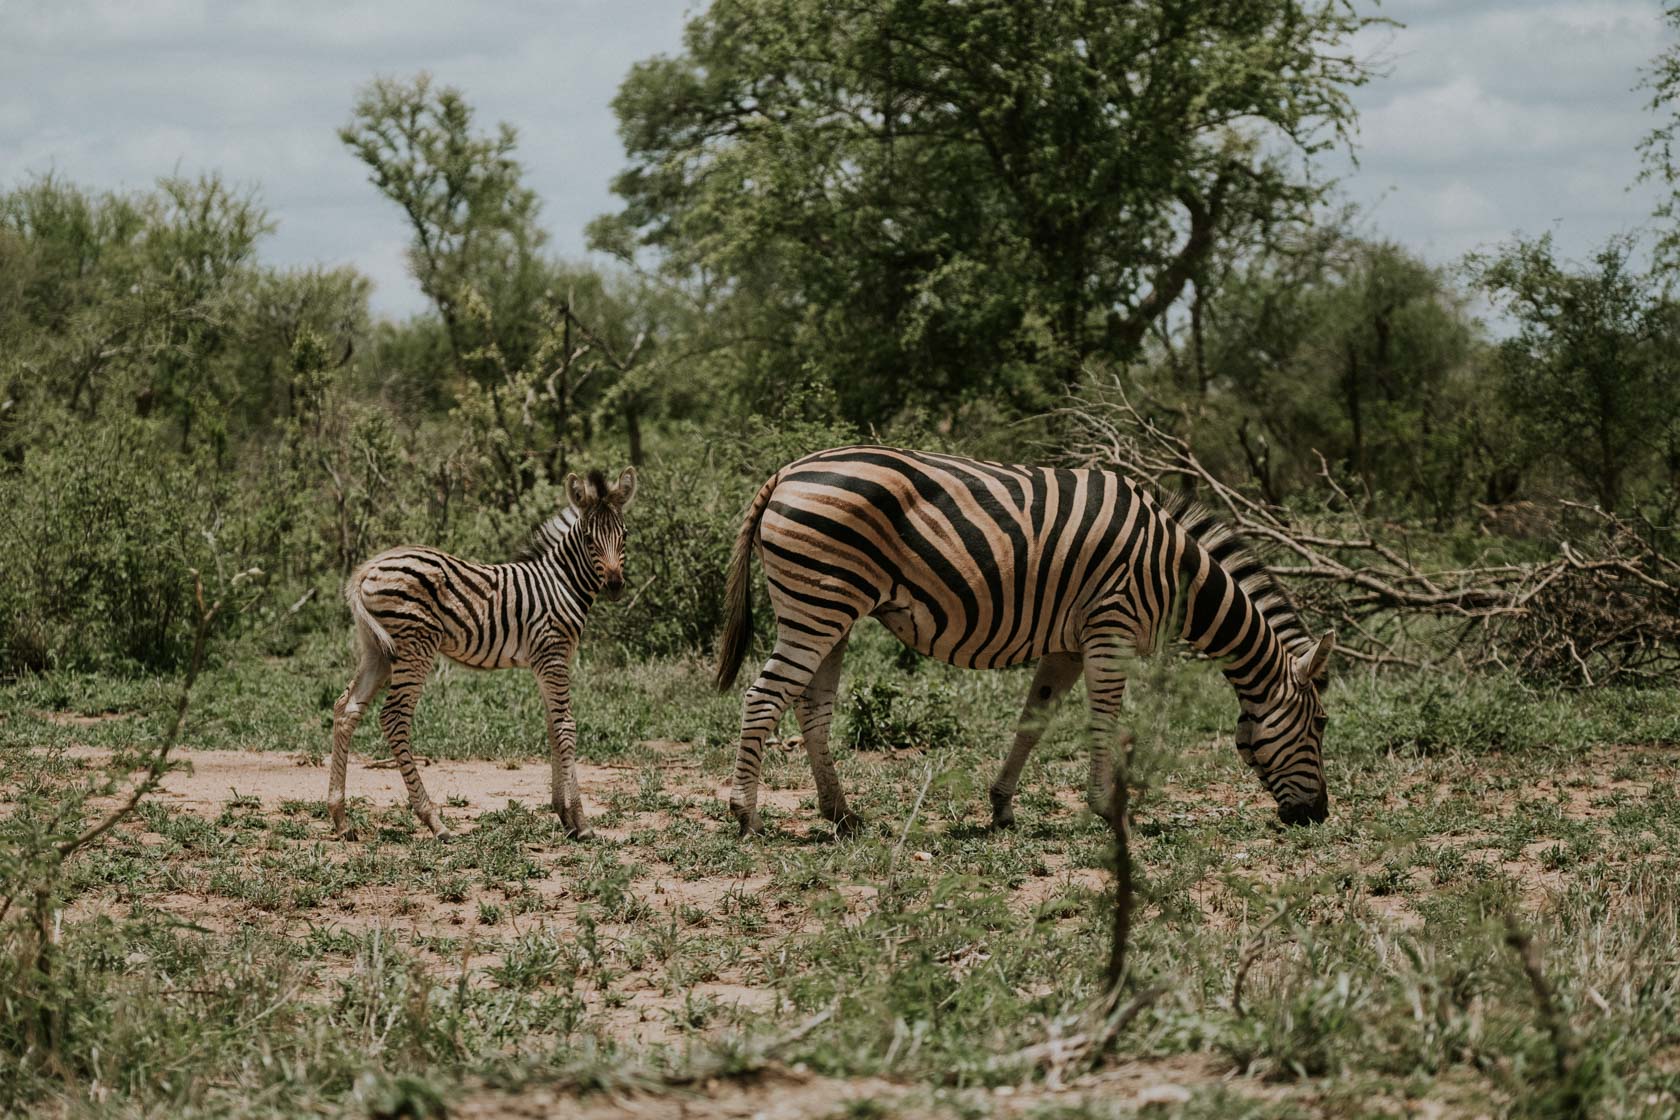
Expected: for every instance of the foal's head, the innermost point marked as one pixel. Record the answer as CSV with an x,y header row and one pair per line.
x,y
600,509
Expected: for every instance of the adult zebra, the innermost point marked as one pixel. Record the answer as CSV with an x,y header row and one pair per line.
x,y
986,565
411,604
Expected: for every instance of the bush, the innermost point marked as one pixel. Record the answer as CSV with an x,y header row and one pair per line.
x,y
101,536
885,714
682,528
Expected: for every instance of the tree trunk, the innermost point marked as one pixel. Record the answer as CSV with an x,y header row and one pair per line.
x,y
633,427
1350,388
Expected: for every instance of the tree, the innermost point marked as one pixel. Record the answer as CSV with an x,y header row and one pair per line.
x,y
130,296
929,201
1591,368
1335,342
473,221
1657,149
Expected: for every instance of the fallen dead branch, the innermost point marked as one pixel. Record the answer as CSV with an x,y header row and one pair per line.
x,y
1605,607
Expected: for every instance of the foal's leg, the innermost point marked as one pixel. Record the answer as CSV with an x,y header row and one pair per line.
x,y
370,677
795,661
815,709
554,678
408,676
1056,674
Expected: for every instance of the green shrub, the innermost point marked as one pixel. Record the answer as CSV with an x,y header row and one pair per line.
x,y
100,538
886,713
682,528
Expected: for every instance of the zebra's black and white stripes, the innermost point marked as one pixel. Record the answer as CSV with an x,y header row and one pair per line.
x,y
985,565
412,604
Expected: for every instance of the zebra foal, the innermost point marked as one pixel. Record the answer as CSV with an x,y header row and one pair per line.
x,y
986,565
411,604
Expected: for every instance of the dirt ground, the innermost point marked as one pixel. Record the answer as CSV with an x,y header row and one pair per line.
x,y
644,1008
208,782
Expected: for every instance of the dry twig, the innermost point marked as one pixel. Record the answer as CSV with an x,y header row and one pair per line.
x,y
1596,611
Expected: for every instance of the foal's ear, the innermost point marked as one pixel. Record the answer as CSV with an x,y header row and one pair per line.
x,y
579,493
1310,665
623,491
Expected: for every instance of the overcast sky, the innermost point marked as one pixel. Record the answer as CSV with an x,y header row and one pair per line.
x,y
1494,117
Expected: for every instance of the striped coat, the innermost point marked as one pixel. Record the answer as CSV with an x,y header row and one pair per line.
x,y
412,604
985,565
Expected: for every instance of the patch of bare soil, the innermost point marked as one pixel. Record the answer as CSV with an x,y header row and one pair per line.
x,y
476,925
783,1093
645,1005
210,779
76,719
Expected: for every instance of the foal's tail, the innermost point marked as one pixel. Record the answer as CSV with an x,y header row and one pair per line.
x,y
738,628
371,638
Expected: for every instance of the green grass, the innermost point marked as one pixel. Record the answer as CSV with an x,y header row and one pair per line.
x,y
240,963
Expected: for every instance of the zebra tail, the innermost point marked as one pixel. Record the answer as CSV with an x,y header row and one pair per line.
x,y
738,627
372,637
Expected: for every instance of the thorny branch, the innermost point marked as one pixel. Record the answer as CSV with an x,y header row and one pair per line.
x,y
1606,606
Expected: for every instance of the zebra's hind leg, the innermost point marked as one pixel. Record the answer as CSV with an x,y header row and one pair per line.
x,y
1105,687
784,679
1056,674
815,709
396,719
371,676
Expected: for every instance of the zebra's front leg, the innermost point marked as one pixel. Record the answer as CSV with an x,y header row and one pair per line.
x,y
1056,674
783,681
1105,687
553,670
396,719
815,709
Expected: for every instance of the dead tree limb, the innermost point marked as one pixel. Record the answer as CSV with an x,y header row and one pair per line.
x,y
1605,607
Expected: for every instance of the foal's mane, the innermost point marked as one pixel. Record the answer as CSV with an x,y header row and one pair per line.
x,y
545,538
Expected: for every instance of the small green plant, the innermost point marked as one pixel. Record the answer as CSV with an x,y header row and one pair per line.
x,y
888,714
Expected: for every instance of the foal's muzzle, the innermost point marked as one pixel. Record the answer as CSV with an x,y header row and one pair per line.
x,y
613,588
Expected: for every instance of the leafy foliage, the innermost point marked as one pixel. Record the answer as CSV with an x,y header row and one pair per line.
x,y
930,202
1591,368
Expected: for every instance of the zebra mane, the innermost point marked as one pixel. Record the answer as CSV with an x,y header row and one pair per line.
x,y
546,537
1244,563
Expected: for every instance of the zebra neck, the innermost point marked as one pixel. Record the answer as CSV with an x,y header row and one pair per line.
x,y
568,562
1224,620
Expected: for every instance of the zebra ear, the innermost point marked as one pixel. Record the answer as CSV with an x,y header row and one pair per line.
x,y
577,492
1310,665
624,490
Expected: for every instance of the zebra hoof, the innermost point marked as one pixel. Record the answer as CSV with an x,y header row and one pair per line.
x,y
580,834
749,825
346,834
849,825
1003,811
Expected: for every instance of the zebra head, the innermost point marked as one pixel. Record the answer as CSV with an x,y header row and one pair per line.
x,y
1283,739
600,509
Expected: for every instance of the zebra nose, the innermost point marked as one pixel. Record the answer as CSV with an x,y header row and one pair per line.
x,y
1298,812
614,587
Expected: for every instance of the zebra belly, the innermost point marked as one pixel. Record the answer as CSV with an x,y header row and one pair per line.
x,y
461,656
913,624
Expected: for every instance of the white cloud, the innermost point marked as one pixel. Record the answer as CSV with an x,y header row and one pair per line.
x,y
1496,118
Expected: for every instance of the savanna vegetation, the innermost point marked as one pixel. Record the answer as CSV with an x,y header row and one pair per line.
x,y
1088,233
